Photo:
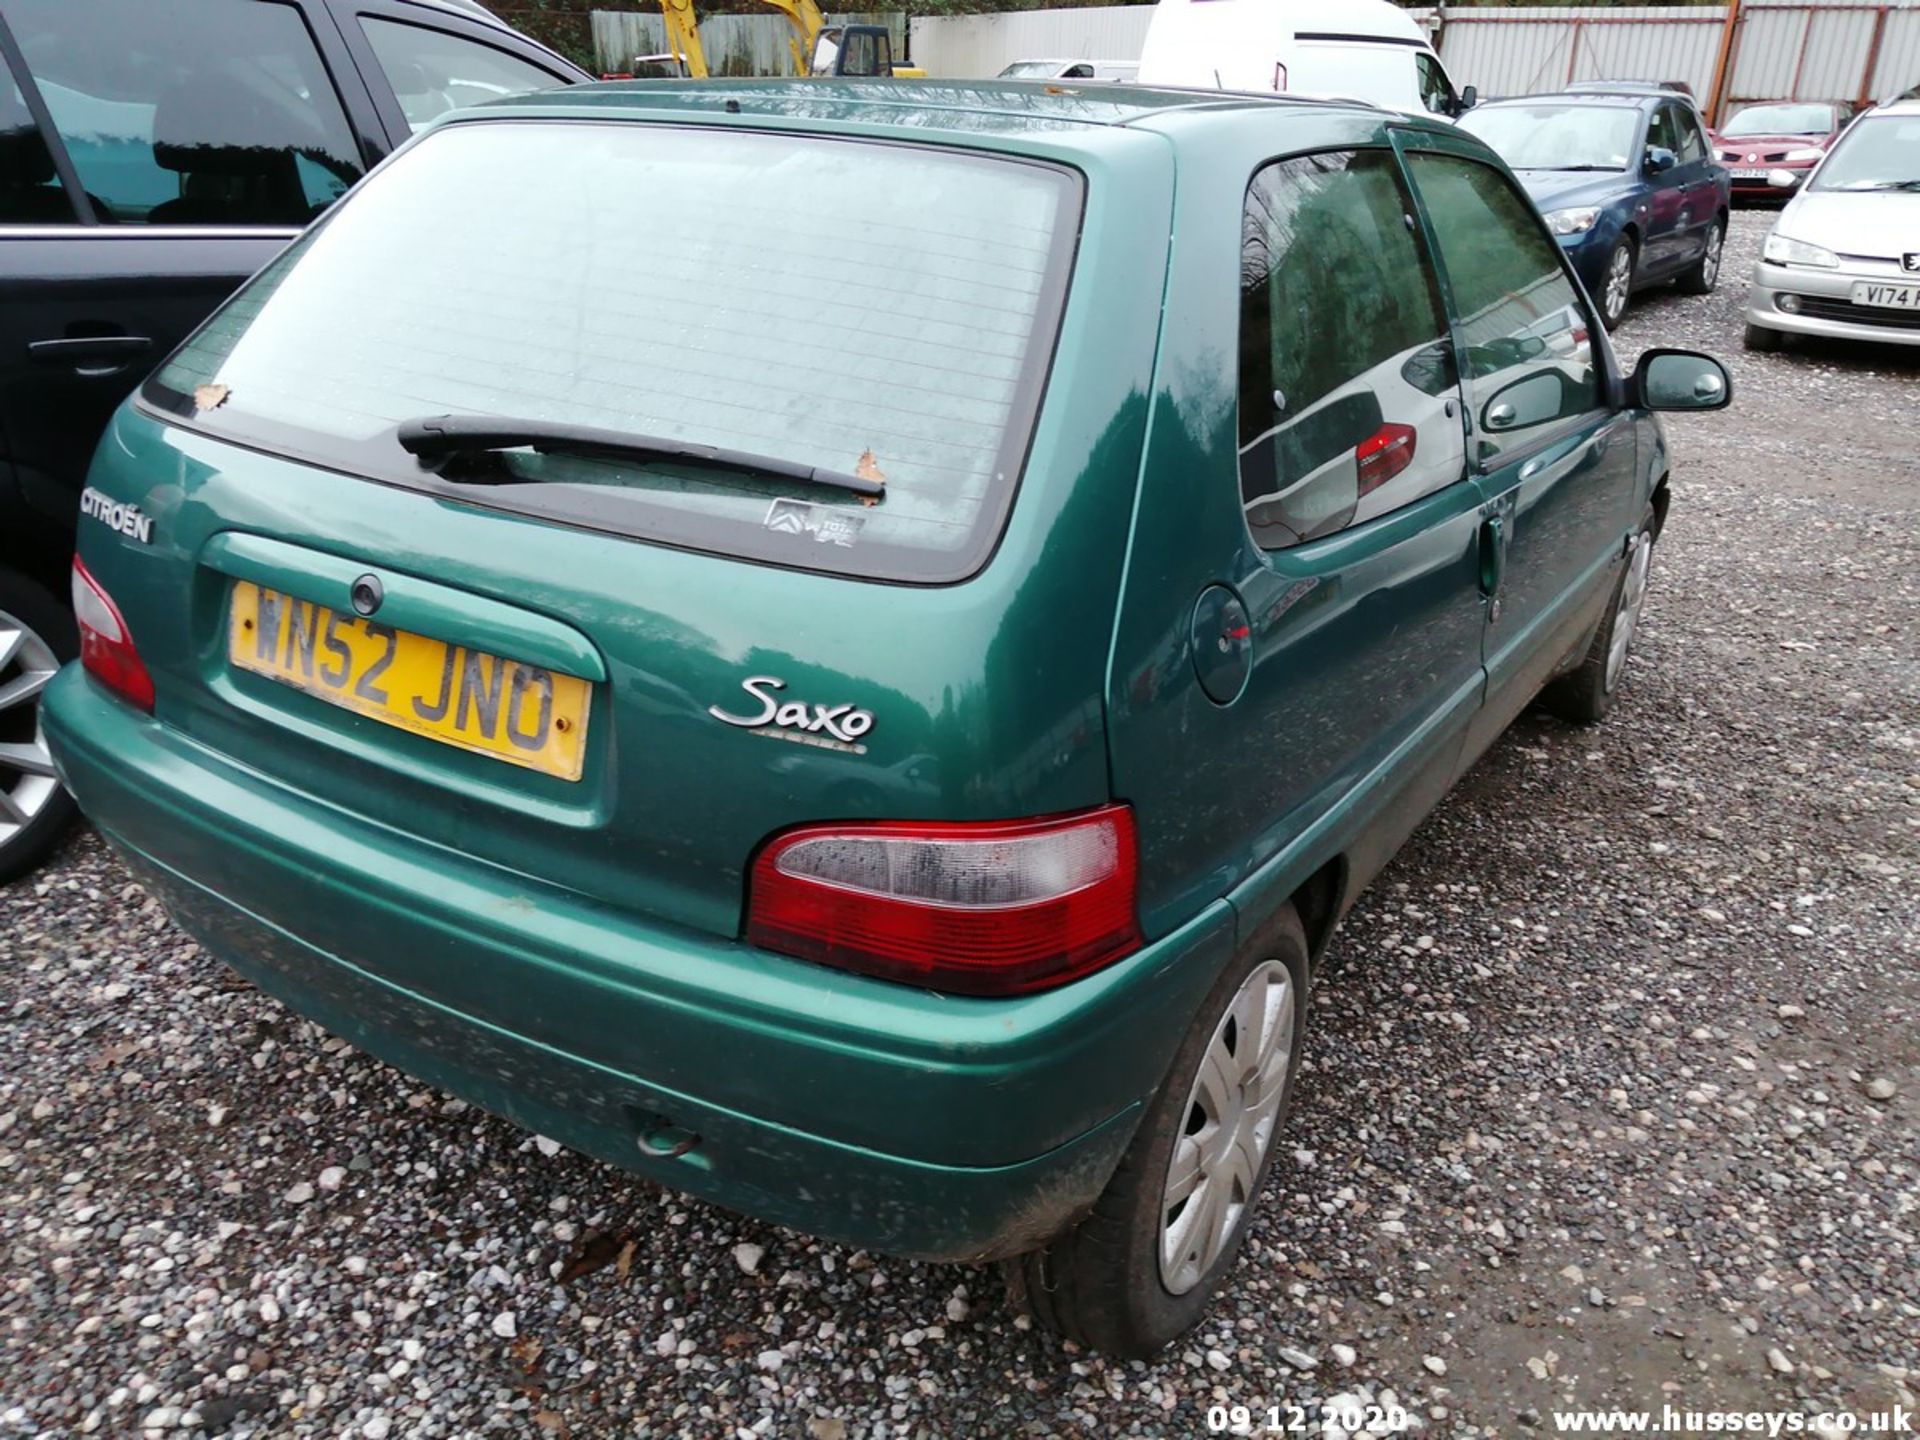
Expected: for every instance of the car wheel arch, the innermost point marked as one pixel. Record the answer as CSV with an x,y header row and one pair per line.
x,y
1659,500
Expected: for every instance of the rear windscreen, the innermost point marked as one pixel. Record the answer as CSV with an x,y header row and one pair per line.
x,y
882,310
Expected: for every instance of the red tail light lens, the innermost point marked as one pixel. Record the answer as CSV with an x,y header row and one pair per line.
x,y
995,908
1384,454
106,645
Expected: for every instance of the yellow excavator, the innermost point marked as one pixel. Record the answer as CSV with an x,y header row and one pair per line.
x,y
818,48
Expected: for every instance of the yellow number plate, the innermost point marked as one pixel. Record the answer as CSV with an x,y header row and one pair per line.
x,y
510,710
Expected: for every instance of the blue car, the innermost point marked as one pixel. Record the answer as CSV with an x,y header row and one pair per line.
x,y
1626,181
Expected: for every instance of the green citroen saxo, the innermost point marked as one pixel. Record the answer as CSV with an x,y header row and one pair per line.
x,y
843,647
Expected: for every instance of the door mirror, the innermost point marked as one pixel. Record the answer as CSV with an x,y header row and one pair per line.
x,y
1782,179
1469,98
1682,380
1660,160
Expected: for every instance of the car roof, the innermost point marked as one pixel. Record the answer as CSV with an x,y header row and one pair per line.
x,y
1612,99
1007,107
1907,108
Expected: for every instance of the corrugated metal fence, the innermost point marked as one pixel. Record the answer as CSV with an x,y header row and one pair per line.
x,y
734,44
1794,49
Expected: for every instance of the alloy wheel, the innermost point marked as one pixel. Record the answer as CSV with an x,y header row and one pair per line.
x,y
1710,262
1619,283
1626,615
1227,1126
27,782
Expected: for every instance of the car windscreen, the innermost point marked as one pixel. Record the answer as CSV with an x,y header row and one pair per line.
x,y
1779,120
1557,137
1876,153
873,309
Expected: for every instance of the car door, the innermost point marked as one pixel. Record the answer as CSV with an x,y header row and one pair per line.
x,y
1553,461
1306,542
420,62
1698,176
1662,200
191,148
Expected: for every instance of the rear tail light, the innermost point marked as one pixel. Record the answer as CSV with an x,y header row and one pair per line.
x,y
106,645
995,908
1384,454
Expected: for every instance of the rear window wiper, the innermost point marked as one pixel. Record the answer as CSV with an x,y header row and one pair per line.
x,y
438,438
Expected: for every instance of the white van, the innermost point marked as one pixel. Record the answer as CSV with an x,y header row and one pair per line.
x,y
1118,72
1357,49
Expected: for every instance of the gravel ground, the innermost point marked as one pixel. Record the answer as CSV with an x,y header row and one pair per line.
x,y
1613,1092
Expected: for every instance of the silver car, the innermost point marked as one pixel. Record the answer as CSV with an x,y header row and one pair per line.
x,y
1843,259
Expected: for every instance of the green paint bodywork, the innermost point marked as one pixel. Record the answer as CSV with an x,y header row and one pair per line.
x,y
568,954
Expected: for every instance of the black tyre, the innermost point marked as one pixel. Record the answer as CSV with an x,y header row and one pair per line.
x,y
1585,695
1616,282
1760,338
1704,274
36,638
1139,1270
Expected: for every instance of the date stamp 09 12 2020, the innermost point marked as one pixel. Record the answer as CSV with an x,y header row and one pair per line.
x,y
1346,1414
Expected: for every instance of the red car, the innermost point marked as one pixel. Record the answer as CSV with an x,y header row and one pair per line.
x,y
1792,135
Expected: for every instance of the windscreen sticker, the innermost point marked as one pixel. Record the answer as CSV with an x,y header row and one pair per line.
x,y
828,524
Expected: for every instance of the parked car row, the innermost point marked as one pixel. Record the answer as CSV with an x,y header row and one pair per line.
x,y
143,177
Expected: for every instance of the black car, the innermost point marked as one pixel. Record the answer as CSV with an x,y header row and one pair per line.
x,y
153,156
1626,179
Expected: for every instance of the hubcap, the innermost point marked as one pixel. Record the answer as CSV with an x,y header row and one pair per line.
x,y
27,783
1626,617
1710,262
1619,282
1226,1127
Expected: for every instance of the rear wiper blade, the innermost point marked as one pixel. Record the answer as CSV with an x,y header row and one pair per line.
x,y
443,437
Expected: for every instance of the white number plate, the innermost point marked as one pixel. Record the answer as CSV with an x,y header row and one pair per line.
x,y
1749,174
1892,297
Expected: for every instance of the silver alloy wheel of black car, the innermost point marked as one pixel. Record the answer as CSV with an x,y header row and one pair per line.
x,y
1227,1126
1617,288
27,782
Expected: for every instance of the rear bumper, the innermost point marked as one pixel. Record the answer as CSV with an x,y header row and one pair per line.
x,y
869,1113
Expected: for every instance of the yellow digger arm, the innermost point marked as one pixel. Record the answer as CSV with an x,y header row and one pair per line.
x,y
683,37
807,22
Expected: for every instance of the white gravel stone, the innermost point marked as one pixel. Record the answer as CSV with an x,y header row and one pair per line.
x,y
747,1256
505,1325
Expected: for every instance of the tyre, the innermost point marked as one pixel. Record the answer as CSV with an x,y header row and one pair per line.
x,y
1139,1270
1616,282
1586,694
1760,338
1705,272
36,638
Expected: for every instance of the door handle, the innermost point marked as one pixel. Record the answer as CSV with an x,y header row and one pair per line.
x,y
1493,560
90,354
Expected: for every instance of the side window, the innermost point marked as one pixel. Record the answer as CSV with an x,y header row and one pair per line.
x,y
1660,131
1693,145
218,113
1077,72
433,72
30,192
1435,93
1525,335
1345,371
